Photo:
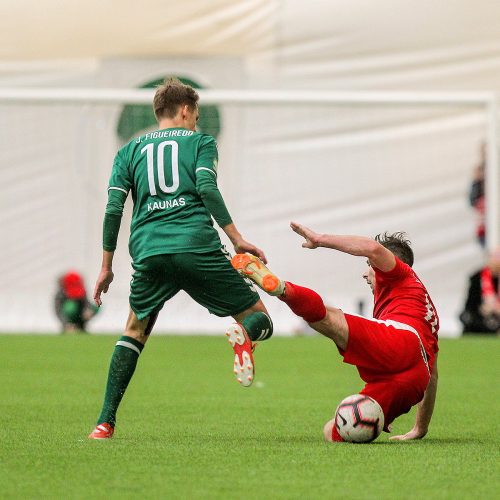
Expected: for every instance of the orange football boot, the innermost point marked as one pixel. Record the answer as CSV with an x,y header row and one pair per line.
x,y
250,266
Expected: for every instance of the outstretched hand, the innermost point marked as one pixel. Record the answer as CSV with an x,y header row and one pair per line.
x,y
102,284
413,434
312,238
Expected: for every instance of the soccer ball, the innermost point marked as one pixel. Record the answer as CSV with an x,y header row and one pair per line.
x,y
359,419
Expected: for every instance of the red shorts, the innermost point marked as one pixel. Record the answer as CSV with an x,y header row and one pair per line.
x,y
391,360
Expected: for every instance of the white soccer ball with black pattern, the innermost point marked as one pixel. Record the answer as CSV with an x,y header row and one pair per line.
x,y
359,419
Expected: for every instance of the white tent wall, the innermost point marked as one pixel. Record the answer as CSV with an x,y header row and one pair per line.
x,y
353,169
383,45
346,169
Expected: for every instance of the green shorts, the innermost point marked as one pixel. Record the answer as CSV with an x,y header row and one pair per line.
x,y
208,278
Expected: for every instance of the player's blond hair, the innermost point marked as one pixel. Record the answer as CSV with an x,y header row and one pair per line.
x,y
172,94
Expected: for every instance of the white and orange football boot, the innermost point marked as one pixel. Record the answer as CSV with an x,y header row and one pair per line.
x,y
102,431
250,266
244,369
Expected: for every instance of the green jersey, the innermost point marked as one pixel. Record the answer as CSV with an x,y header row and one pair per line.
x,y
163,169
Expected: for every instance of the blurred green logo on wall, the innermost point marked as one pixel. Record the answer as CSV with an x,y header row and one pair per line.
x,y
136,118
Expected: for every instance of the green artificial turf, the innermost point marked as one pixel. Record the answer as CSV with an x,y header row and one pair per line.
x,y
186,429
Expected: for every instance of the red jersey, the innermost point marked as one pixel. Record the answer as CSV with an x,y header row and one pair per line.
x,y
399,295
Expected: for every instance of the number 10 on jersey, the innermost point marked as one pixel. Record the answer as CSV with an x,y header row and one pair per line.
x,y
160,166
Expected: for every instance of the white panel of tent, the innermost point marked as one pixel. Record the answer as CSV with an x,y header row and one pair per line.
x,y
359,169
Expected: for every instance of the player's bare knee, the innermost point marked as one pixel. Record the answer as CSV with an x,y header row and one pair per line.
x,y
137,335
257,307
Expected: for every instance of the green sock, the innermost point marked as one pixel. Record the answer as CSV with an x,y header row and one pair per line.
x,y
121,369
258,326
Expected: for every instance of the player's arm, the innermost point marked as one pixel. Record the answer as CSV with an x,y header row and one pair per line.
x,y
206,185
213,201
379,256
105,276
110,230
425,409
240,244
120,183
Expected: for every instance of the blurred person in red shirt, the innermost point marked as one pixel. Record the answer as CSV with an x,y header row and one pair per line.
x,y
71,305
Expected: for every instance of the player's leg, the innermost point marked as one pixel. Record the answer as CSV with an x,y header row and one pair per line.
x,y
330,432
388,394
390,359
256,321
252,267
397,394
212,282
121,368
387,346
253,324
303,301
149,289
394,398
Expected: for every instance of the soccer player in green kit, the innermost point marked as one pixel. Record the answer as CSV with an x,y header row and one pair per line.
x,y
172,175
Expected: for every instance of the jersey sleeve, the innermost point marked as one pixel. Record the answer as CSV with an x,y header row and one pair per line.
x,y
208,156
112,219
120,179
119,185
206,182
400,272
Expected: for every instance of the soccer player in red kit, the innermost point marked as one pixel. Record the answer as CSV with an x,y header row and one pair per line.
x,y
396,351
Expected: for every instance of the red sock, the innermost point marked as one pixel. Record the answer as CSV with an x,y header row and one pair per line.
x,y
304,302
336,436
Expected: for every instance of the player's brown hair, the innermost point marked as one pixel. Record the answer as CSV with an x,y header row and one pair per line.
x,y
399,244
172,94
